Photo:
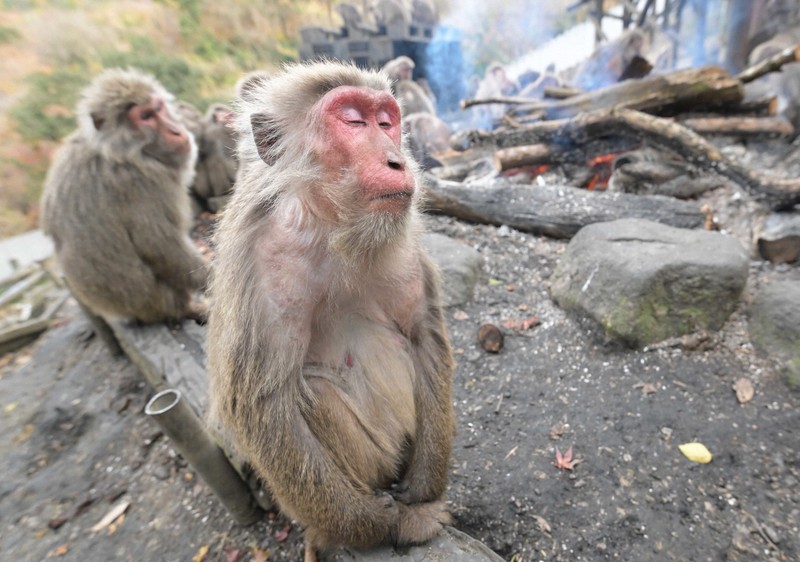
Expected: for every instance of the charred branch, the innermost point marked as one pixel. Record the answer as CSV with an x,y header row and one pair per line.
x,y
709,86
740,126
771,64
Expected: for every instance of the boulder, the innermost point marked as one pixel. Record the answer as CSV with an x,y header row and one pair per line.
x,y
460,266
774,324
645,282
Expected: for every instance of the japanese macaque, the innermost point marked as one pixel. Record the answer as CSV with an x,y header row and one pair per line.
x,y
411,96
216,161
329,362
428,137
116,203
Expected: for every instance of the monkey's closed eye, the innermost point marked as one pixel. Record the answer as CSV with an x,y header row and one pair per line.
x,y
357,122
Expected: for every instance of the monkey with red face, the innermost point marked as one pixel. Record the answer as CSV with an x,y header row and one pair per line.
x,y
329,361
116,204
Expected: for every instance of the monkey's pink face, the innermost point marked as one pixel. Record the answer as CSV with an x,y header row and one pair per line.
x,y
155,116
362,135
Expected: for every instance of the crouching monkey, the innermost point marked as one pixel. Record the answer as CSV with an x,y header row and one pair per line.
x,y
116,204
329,360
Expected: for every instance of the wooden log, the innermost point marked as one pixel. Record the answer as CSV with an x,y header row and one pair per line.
x,y
557,211
560,92
560,153
771,64
174,357
677,91
774,193
740,126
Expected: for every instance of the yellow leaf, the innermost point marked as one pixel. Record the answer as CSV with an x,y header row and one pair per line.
x,y
696,452
201,554
10,408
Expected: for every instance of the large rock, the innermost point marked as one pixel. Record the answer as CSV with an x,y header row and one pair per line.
x,y
644,282
774,323
460,266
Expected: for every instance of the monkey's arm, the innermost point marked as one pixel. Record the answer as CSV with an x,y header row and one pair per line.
x,y
426,477
162,244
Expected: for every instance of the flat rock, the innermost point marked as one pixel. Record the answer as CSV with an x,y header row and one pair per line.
x,y
774,324
645,282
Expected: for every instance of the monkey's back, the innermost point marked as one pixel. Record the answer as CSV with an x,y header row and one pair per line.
x,y
94,209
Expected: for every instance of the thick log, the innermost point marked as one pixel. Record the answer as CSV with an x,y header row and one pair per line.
x,y
679,90
560,153
556,211
774,193
740,126
771,64
560,92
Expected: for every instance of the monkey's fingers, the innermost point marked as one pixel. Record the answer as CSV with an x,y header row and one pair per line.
x,y
421,522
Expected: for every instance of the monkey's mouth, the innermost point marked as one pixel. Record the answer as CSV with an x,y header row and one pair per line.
x,y
394,196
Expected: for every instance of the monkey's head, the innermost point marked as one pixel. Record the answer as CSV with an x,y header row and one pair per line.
x,y
341,126
124,113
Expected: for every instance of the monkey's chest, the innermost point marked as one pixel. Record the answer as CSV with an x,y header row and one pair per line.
x,y
371,365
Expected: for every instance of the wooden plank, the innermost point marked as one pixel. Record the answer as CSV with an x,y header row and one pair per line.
x,y
168,357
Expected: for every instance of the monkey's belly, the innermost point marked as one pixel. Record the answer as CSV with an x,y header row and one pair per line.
x,y
366,407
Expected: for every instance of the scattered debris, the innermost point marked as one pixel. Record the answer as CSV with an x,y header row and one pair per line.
x,y
116,512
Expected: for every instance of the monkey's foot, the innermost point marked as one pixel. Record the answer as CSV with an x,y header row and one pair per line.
x,y
421,522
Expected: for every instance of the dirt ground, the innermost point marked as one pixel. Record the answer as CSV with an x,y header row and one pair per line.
x,y
75,443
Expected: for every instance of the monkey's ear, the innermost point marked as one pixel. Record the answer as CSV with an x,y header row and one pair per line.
x,y
266,135
98,121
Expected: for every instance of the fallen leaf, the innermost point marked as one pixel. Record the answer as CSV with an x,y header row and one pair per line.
x,y
543,525
646,387
233,554
25,434
111,516
696,452
521,324
494,282
744,390
460,315
259,555
10,408
201,554
283,534
58,551
565,461
558,430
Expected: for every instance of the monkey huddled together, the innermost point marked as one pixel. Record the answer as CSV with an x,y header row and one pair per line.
x,y
329,362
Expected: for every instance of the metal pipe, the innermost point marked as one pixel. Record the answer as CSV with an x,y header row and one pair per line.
x,y
188,435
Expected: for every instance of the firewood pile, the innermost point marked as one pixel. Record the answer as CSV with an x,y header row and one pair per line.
x,y
648,136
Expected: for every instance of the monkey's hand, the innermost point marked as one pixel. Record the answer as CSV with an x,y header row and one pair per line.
x,y
421,522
